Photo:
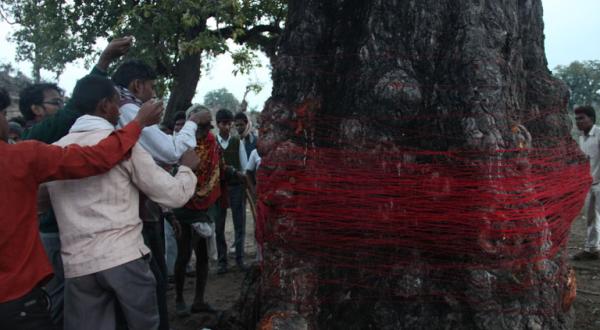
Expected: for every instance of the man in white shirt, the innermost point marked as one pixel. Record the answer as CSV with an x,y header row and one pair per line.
x,y
135,81
104,255
589,142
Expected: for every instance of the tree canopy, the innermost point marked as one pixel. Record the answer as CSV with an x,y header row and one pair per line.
x,y
221,98
171,35
583,79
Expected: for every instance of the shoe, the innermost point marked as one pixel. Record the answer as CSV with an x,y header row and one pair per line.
x,y
222,269
181,309
586,255
232,250
202,307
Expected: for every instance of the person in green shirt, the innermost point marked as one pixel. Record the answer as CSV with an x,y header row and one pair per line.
x,y
54,126
38,101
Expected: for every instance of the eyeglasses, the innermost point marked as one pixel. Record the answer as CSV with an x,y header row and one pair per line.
x,y
56,103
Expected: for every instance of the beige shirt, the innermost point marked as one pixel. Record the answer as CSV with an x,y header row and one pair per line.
x,y
590,145
98,217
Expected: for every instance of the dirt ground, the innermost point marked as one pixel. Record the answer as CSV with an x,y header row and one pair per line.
x,y
223,290
587,303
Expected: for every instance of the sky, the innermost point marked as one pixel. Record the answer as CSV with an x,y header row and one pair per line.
x,y
572,31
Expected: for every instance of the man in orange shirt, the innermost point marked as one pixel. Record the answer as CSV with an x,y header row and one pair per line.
x,y
24,266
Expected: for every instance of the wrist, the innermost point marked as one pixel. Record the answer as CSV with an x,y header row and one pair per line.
x,y
138,122
103,63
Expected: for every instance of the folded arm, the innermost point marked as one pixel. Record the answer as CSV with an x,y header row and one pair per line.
x,y
73,162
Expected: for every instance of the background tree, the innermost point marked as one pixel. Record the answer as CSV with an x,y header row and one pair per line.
x,y
172,35
44,37
221,98
583,79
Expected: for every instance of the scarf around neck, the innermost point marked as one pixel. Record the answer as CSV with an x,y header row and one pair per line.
x,y
127,97
208,172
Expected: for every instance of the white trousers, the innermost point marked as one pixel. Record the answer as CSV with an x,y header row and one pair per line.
x,y
592,215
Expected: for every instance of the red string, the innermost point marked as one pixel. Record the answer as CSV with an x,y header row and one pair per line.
x,y
373,213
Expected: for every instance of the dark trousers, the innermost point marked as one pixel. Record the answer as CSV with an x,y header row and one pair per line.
x,y
55,288
31,311
154,237
190,239
237,203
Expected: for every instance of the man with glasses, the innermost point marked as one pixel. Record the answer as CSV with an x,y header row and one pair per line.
x,y
38,101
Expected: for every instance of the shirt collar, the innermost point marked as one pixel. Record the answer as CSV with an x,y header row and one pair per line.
x,y
221,140
593,131
88,123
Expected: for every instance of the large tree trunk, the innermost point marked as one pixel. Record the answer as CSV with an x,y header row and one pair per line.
x,y
186,76
185,81
412,84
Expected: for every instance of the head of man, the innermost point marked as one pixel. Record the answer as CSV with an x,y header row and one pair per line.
x,y
138,77
241,122
40,100
224,119
205,122
95,95
585,117
4,103
178,121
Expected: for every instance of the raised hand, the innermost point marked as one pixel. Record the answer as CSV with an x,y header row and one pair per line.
x,y
150,113
115,49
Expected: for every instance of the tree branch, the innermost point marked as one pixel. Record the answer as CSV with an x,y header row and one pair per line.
x,y
250,34
5,18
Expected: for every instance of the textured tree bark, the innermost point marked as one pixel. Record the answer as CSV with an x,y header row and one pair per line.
x,y
185,80
185,76
412,62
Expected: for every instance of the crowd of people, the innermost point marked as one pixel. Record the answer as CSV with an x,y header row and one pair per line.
x,y
89,186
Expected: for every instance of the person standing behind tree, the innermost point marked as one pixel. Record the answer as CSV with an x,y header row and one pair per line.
x,y
589,142
244,128
235,157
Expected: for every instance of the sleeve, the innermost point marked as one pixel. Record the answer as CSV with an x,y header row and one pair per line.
x,y
98,72
252,162
164,148
243,156
73,162
158,184
54,127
